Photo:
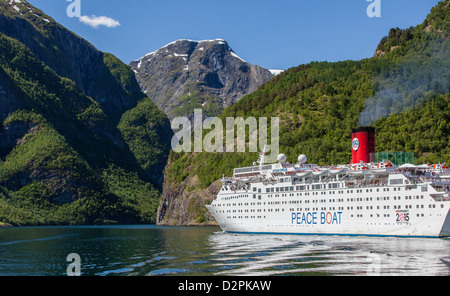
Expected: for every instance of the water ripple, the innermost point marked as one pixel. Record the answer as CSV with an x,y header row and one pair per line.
x,y
290,255
155,251
167,271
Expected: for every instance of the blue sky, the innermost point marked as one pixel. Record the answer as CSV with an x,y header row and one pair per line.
x,y
273,34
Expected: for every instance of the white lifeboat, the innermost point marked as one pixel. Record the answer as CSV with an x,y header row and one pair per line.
x,y
336,171
321,172
304,174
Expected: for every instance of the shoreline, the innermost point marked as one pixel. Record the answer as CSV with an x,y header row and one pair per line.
x,y
6,225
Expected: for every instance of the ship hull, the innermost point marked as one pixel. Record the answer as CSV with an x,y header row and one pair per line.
x,y
410,213
430,227
423,228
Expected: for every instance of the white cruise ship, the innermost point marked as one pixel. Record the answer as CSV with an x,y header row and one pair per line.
x,y
361,198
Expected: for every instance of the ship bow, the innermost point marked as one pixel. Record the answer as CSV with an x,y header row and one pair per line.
x,y
445,232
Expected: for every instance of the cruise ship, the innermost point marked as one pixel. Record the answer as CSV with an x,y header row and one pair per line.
x,y
361,198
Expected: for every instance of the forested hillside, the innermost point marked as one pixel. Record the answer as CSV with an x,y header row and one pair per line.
x,y
79,142
403,91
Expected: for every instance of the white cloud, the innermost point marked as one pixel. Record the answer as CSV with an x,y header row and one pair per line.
x,y
96,21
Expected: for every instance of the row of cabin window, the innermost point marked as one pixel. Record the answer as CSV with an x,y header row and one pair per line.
x,y
318,187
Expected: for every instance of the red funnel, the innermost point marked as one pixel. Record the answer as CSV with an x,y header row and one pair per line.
x,y
363,144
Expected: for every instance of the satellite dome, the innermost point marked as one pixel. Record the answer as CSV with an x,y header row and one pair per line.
x,y
281,158
302,159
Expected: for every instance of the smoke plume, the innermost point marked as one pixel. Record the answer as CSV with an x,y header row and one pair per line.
x,y
410,83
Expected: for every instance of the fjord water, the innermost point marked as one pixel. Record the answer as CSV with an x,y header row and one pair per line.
x,y
149,250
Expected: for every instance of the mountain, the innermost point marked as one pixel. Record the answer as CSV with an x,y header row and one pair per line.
x,y
79,142
185,75
403,92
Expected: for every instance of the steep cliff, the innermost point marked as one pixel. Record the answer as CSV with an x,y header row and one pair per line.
x,y
69,55
183,203
79,142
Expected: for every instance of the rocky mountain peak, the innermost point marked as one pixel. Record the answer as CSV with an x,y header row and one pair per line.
x,y
187,74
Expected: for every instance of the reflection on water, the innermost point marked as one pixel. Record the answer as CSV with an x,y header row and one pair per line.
x,y
265,255
156,251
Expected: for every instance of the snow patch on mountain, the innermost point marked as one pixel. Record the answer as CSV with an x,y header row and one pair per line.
x,y
276,72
